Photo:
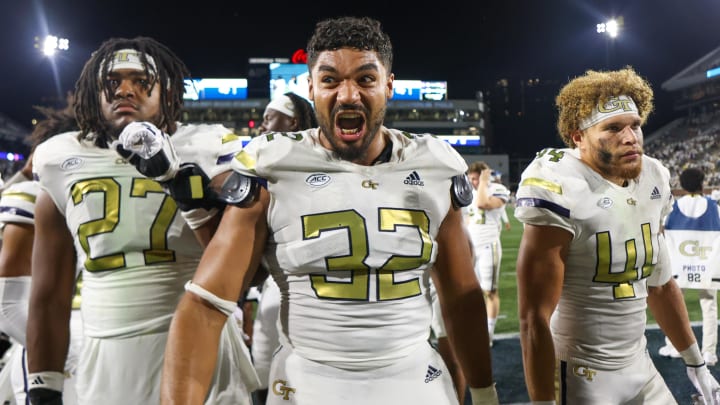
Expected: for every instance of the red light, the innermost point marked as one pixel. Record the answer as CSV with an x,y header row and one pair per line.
x,y
299,56
251,124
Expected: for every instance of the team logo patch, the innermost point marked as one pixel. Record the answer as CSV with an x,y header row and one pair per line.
x,y
605,202
655,195
72,163
432,373
413,179
318,179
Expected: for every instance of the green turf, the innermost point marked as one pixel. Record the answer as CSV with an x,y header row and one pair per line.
x,y
508,319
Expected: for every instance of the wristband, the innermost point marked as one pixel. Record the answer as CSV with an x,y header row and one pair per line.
x,y
692,356
486,395
542,403
51,380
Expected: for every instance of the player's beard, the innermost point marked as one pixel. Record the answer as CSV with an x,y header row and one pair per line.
x,y
612,166
356,151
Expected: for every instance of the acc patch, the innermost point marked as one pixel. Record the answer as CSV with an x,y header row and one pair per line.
x,y
318,179
72,163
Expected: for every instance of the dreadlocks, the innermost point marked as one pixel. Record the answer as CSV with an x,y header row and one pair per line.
x,y
169,73
304,112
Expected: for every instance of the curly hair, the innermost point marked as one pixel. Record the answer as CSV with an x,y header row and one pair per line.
x,y
577,99
171,72
304,112
362,33
691,180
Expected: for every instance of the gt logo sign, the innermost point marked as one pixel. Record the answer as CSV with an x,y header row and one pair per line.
x,y
280,389
693,248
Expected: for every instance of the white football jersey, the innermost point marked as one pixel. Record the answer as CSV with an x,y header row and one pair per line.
x,y
350,245
484,225
616,247
17,204
135,249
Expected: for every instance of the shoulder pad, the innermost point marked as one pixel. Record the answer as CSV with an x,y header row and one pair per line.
x,y
461,191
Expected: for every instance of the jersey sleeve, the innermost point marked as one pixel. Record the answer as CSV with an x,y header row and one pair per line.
x,y
17,203
51,160
542,196
500,191
212,147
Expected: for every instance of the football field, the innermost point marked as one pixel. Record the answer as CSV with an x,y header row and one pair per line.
x,y
507,361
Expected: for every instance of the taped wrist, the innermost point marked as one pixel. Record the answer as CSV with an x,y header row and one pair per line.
x,y
692,356
46,387
190,189
485,395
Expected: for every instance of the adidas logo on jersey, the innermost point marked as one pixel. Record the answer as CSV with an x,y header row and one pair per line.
x,y
655,194
413,179
432,373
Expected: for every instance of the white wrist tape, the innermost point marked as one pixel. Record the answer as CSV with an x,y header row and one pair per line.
x,y
225,306
484,396
52,380
692,356
542,403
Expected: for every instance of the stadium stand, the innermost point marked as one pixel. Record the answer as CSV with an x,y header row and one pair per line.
x,y
693,139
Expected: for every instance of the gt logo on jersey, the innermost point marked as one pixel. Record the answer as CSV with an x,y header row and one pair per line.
x,y
279,388
370,184
585,372
693,248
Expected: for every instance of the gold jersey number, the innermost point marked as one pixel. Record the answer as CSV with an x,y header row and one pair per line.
x,y
157,252
358,288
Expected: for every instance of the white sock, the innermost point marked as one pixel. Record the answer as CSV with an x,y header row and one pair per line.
x,y
491,327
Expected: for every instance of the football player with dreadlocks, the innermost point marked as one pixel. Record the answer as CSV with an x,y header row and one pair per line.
x,y
135,251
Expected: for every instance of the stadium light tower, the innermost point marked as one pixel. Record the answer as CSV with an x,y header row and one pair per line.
x,y
51,44
610,30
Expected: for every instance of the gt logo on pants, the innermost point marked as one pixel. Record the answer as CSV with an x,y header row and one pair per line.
x,y
582,371
279,388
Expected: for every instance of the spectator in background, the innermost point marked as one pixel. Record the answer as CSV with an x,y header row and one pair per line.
x,y
592,260
484,221
692,233
287,113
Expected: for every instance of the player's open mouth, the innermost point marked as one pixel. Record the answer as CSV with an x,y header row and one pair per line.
x,y
350,125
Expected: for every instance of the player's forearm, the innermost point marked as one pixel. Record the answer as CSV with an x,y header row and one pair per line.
x,y
466,323
191,351
668,307
538,352
48,335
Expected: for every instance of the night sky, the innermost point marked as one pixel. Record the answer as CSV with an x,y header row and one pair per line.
x,y
469,44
